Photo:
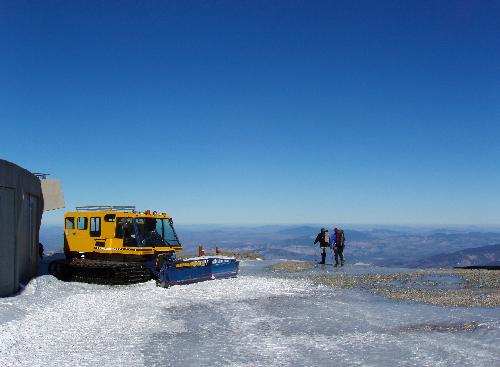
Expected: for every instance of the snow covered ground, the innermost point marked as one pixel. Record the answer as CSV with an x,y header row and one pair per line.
x,y
258,319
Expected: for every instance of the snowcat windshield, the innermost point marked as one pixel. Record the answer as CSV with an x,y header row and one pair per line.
x,y
156,232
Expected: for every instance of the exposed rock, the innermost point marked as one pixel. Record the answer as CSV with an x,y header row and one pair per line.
x,y
453,287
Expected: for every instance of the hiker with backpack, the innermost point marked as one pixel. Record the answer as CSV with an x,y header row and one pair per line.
x,y
337,242
324,239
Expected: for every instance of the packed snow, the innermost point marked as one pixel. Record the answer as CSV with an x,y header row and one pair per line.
x,y
257,319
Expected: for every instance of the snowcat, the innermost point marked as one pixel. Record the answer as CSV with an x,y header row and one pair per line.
x,y
118,245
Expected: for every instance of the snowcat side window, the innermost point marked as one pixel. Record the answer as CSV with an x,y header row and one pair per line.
x,y
82,223
69,223
109,218
139,222
149,232
119,227
95,226
125,230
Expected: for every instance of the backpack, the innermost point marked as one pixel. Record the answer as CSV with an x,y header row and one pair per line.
x,y
326,237
341,240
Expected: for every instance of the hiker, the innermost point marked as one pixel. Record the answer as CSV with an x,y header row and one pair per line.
x,y
323,238
338,243
40,250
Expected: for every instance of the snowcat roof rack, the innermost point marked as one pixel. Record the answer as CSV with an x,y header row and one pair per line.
x,y
115,208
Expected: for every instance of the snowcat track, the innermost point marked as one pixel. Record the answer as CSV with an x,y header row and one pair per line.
x,y
99,272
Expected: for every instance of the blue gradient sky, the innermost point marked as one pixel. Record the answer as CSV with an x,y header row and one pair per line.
x,y
259,111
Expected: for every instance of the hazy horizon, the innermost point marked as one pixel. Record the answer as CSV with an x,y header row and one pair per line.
x,y
354,226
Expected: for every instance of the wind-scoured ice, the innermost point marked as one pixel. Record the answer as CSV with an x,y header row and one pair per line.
x,y
257,319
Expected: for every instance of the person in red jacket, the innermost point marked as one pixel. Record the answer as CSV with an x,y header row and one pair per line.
x,y
323,238
338,243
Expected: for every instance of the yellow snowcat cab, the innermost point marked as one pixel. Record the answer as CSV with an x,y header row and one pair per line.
x,y
114,244
118,233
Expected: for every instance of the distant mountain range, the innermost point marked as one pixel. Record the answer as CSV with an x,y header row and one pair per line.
x,y
379,246
485,255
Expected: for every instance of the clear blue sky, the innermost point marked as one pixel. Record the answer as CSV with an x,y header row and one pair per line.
x,y
259,111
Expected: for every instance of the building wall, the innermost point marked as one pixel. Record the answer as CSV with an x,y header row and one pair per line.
x,y
21,207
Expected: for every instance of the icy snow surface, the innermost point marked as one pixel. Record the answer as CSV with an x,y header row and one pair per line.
x,y
258,319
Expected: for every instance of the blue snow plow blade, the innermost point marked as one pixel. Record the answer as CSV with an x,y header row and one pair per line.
x,y
197,269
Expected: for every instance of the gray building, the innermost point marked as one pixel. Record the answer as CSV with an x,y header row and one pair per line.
x,y
21,208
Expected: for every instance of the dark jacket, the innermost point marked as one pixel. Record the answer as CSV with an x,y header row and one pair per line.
x,y
322,238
